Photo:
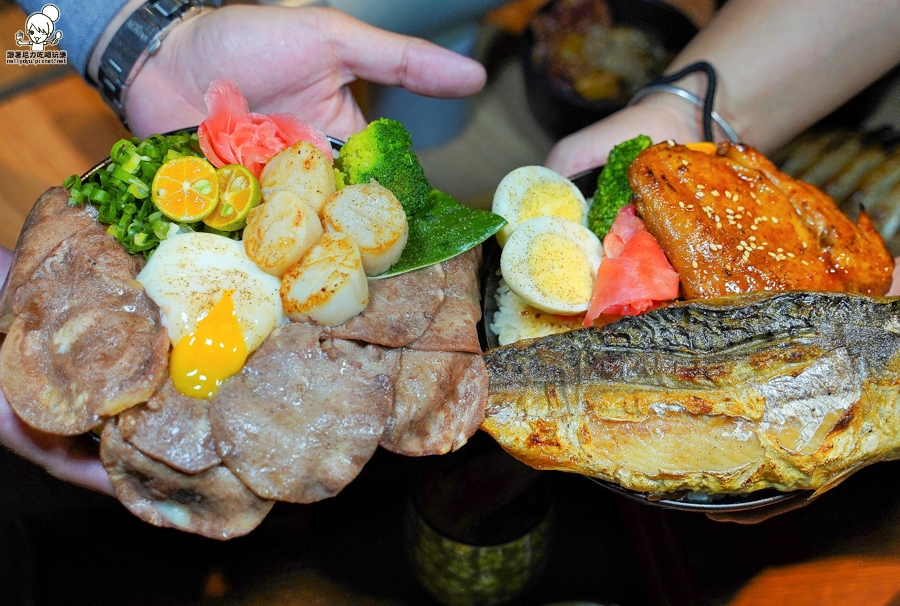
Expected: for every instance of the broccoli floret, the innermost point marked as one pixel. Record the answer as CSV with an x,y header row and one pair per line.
x,y
381,152
339,179
613,187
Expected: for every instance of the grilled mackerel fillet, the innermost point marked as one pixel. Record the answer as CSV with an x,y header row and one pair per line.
x,y
789,391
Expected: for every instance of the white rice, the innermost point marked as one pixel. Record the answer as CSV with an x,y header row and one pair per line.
x,y
515,319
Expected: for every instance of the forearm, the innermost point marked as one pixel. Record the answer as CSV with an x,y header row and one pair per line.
x,y
783,65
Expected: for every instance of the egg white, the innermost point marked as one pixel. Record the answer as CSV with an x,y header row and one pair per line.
x,y
526,193
551,263
189,273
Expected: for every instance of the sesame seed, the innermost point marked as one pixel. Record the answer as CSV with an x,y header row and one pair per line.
x,y
805,245
752,195
752,238
739,247
765,243
701,187
771,254
727,194
804,261
740,208
735,198
779,250
739,216
717,218
694,264
774,219
729,211
715,193
700,194
746,256
670,142
684,162
728,266
740,226
690,207
743,243
718,225
791,255
681,204
753,227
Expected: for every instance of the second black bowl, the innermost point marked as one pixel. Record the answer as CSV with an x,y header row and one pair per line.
x,y
559,109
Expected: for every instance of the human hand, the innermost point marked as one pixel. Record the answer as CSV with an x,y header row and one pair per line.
x,y
72,459
297,60
657,116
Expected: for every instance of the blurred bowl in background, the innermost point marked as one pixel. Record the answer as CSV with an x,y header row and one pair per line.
x,y
583,59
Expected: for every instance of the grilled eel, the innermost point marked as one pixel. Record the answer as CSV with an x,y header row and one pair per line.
x,y
790,390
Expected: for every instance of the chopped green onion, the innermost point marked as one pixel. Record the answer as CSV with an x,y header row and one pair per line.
x,y
121,190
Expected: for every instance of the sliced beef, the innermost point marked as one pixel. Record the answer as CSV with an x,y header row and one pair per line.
x,y
172,428
439,402
305,414
87,341
213,503
400,309
50,222
454,326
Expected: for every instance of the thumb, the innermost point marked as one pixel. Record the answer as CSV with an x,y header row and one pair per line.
x,y
393,59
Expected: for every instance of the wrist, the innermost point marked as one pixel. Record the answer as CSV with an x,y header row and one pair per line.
x,y
135,41
670,117
93,64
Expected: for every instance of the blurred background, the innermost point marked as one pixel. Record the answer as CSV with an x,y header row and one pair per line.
x,y
62,544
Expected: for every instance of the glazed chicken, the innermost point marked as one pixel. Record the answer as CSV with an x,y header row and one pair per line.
x,y
733,223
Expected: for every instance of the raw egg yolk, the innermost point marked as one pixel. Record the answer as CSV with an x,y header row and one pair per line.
x,y
560,269
549,198
203,359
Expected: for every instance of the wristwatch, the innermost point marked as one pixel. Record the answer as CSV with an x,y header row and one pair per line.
x,y
135,41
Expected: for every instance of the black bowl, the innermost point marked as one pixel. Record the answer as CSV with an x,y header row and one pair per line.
x,y
685,501
560,110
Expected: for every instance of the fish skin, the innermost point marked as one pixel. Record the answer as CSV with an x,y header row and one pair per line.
x,y
730,395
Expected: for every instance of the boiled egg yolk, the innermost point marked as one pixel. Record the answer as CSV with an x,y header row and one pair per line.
x,y
203,359
529,192
553,199
551,263
559,269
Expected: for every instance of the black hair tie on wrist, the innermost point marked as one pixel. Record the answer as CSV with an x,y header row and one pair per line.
x,y
708,100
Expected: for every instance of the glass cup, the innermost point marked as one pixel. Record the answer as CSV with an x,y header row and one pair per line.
x,y
478,526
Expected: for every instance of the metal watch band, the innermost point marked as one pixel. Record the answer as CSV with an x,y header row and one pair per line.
x,y
136,40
